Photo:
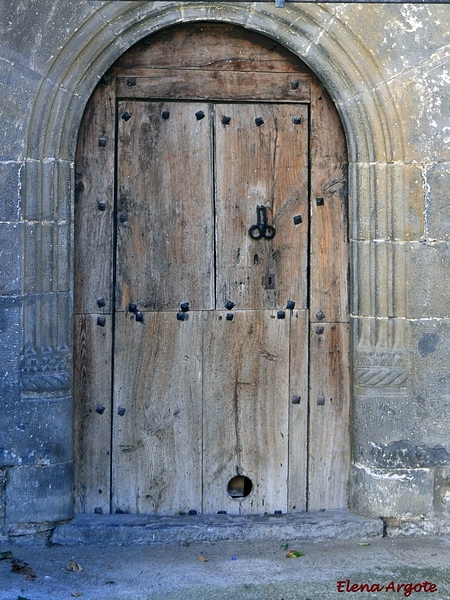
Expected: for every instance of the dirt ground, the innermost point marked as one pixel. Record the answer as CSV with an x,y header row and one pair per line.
x,y
229,570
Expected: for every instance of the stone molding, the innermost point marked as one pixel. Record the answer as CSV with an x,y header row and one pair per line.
x,y
376,153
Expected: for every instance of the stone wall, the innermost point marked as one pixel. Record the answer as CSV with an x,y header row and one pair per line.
x,y
387,68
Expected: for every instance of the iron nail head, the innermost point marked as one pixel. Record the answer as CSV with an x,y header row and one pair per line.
x,y
281,314
290,304
100,409
296,399
101,321
126,115
321,400
121,411
101,302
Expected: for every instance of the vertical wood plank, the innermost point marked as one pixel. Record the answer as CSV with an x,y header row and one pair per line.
x,y
92,431
94,203
261,165
165,225
246,387
157,455
329,235
329,454
298,411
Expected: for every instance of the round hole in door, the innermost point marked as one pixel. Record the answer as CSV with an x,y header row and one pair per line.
x,y
239,486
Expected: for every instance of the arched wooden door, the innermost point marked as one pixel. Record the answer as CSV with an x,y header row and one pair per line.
x,y
211,325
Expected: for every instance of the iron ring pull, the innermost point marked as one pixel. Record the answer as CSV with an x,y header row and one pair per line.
x,y
261,229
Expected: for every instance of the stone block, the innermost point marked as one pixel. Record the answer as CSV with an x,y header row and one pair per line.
x,y
10,258
35,45
2,495
427,277
437,213
39,494
10,190
399,493
19,85
10,341
370,218
36,432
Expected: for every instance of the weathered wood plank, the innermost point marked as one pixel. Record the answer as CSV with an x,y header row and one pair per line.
x,y
214,85
298,411
165,244
262,165
329,236
157,455
329,455
246,405
201,46
92,413
94,203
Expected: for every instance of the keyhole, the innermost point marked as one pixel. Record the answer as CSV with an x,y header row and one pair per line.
x,y
256,260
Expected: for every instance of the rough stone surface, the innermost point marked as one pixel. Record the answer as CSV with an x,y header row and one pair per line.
x,y
47,496
387,67
140,529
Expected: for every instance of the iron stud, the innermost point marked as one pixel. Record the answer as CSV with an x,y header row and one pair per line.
x,y
121,411
298,219
165,115
123,218
226,120
101,205
181,316
126,115
259,121
290,304
281,314
132,307
139,317
192,512
229,316
294,85
98,510
229,305
101,321
297,120
199,115
296,399
320,201
101,302
321,400
319,329
131,81
184,306
100,409
102,142
320,315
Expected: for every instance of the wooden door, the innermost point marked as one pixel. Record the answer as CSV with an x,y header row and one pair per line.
x,y
211,367
202,394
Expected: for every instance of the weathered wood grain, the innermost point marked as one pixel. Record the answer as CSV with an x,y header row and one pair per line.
x,y
329,235
329,454
261,165
94,204
214,85
298,411
92,413
157,450
245,410
212,46
165,245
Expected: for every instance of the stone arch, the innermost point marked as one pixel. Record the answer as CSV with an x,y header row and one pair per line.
x,y
376,199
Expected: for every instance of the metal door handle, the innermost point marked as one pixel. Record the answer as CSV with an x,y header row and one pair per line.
x,y
261,229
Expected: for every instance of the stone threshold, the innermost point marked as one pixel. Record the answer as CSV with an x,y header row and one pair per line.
x,y
146,529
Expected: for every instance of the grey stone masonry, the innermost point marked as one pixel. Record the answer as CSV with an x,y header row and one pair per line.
x,y
387,68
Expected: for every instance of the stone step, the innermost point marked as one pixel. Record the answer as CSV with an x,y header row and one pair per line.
x,y
145,529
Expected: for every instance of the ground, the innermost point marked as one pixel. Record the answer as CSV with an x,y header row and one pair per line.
x,y
226,570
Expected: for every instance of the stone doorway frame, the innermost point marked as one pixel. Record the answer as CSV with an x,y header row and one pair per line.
x,y
377,206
